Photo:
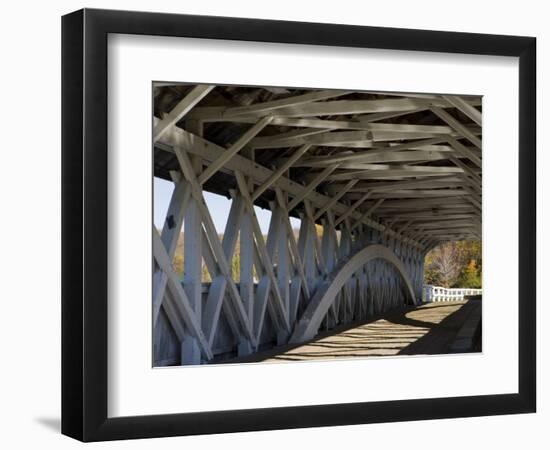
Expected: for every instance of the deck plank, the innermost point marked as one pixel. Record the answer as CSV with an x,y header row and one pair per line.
x,y
426,329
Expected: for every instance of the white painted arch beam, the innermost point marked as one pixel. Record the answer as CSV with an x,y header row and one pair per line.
x,y
326,293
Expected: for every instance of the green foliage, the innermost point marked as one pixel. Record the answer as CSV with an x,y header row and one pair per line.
x,y
454,264
205,276
470,276
236,267
177,264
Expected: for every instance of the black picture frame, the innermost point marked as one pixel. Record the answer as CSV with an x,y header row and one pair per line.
x,y
84,224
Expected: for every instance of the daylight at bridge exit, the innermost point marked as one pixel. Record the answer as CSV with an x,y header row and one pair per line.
x,y
293,224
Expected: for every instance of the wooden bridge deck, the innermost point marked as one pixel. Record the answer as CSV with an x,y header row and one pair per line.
x,y
433,328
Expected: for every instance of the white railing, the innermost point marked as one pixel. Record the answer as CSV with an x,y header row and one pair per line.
x,y
441,294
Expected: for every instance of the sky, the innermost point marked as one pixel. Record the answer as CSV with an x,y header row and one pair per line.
x,y
217,205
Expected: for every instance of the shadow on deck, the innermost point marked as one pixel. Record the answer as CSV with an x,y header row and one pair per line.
x,y
429,329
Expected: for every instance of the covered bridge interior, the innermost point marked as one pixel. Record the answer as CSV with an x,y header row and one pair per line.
x,y
377,179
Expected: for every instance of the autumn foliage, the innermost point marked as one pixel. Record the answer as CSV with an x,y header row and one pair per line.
x,y
454,264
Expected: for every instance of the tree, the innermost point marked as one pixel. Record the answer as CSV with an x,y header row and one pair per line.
x,y
236,267
454,264
177,264
470,276
205,276
445,263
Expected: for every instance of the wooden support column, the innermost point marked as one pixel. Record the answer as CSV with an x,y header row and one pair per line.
x,y
192,270
267,279
298,283
264,253
345,250
328,245
298,263
283,260
246,271
215,243
169,237
215,301
307,251
178,307
246,281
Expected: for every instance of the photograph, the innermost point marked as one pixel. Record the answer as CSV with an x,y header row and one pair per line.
x,y
302,224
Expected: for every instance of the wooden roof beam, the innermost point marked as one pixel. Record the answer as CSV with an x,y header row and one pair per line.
x,y
274,105
456,125
209,151
464,107
181,109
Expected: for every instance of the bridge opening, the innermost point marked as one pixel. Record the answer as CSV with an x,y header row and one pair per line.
x,y
286,217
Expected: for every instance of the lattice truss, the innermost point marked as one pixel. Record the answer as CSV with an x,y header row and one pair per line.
x,y
387,176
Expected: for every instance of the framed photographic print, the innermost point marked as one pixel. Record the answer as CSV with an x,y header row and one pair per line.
x,y
274,224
